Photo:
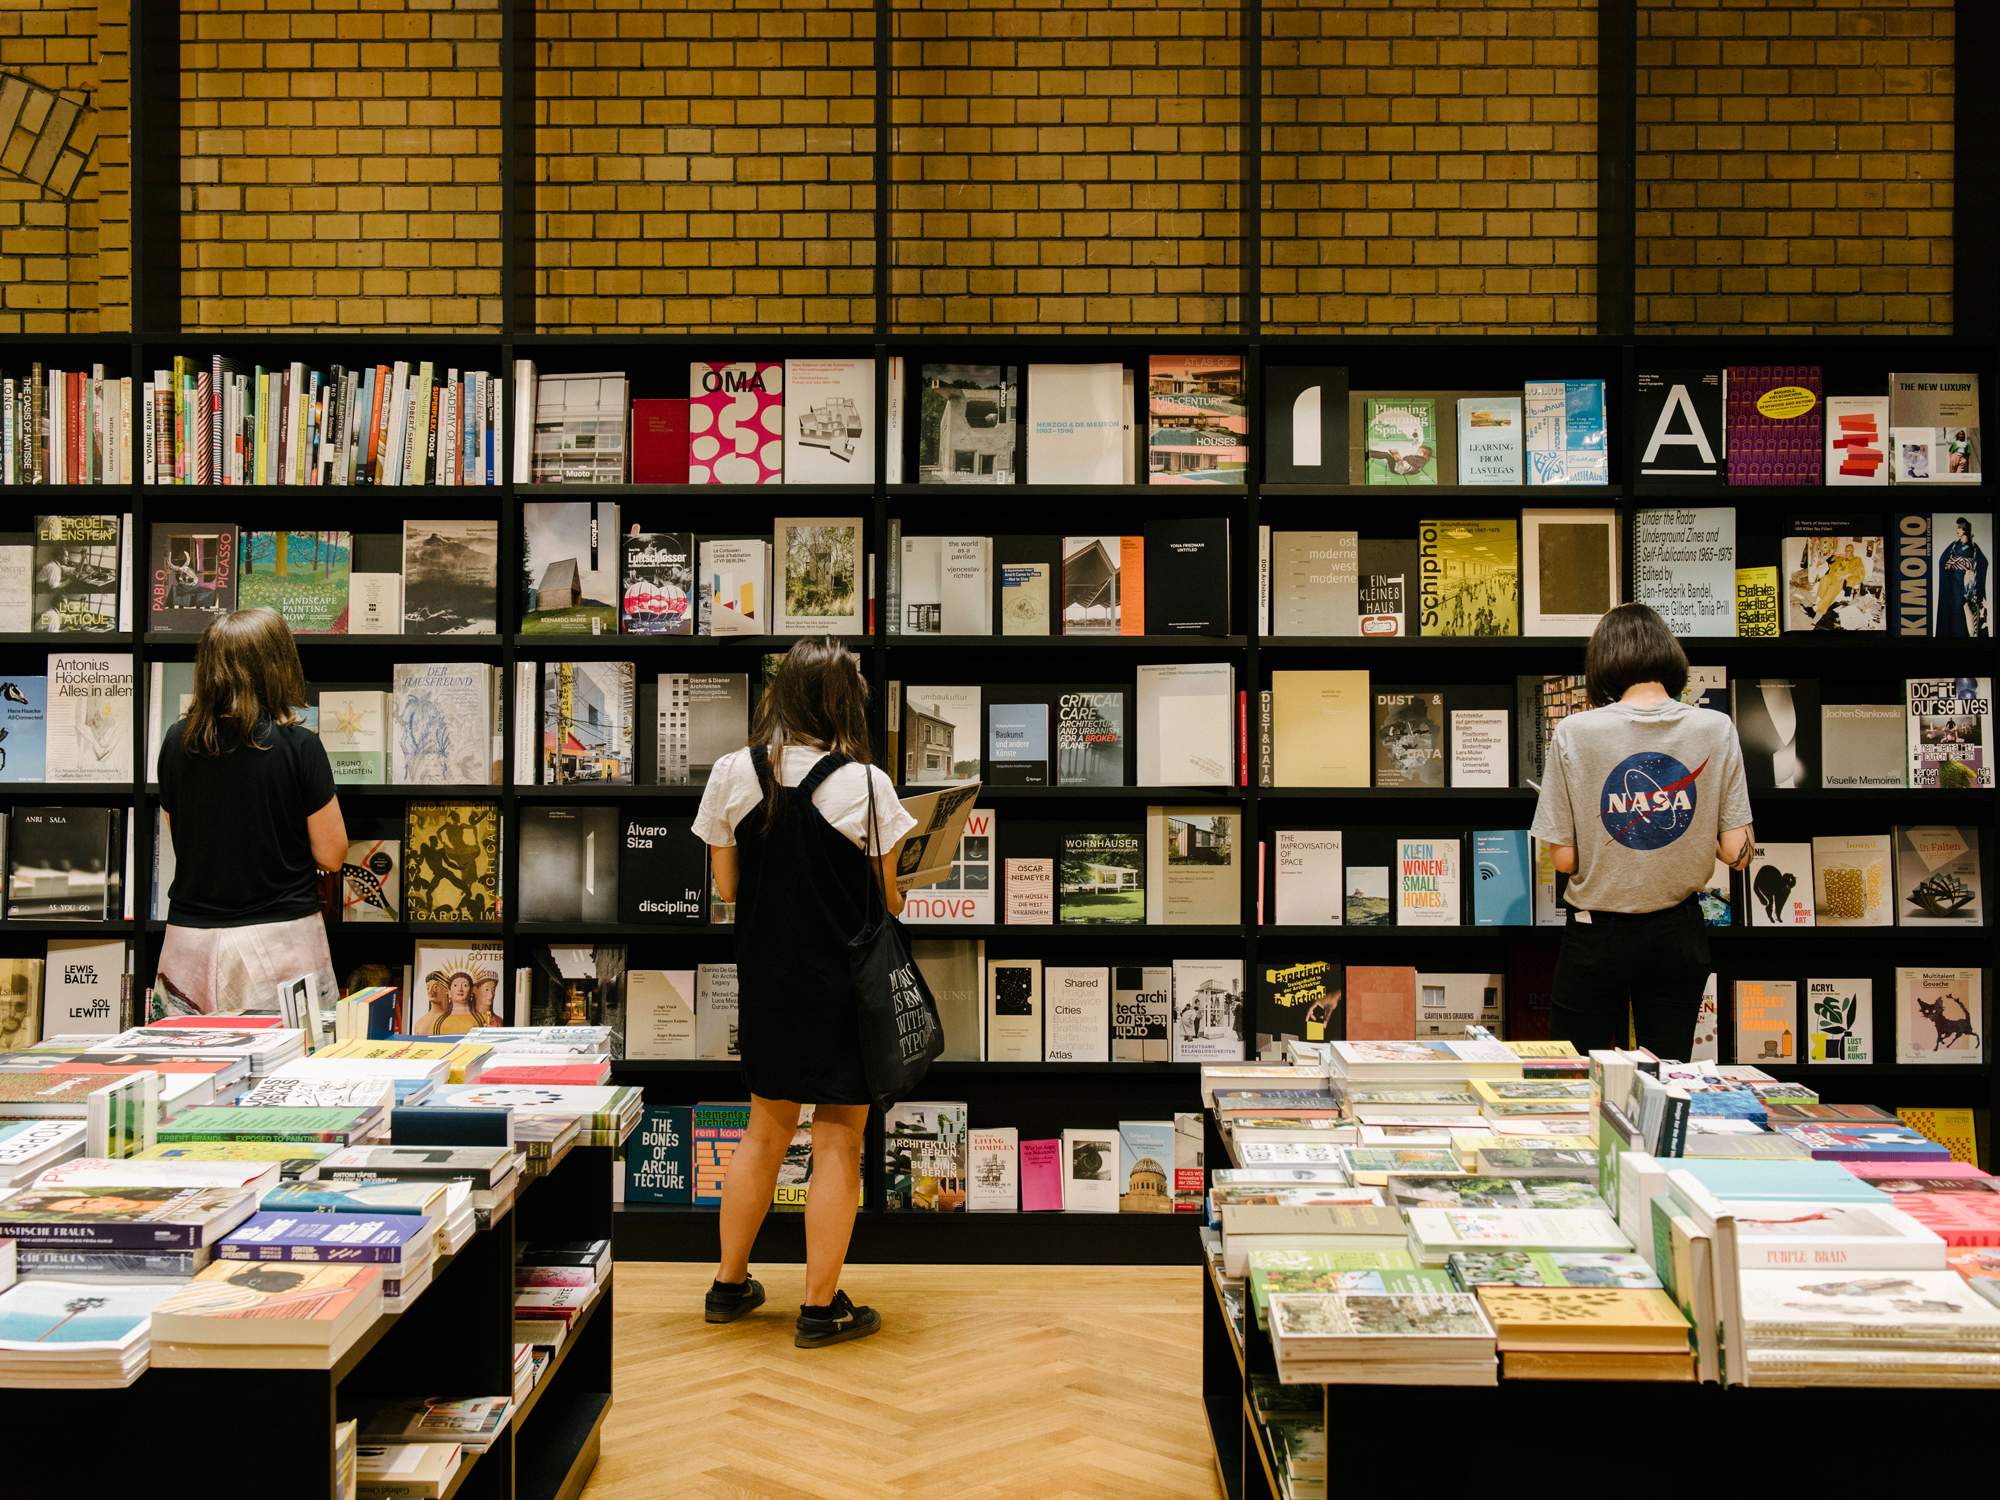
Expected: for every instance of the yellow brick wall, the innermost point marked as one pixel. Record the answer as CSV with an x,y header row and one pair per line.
x,y
1795,166
58,272
705,164
1065,165
340,164
1430,168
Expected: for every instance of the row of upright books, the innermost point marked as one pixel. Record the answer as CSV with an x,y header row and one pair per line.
x,y
1402,1211
65,426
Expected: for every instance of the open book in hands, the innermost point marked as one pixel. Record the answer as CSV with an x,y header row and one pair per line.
x,y
925,854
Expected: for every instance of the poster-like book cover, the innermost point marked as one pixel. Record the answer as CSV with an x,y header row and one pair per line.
x,y
1778,726
300,574
569,567
371,881
192,575
569,863
451,862
1773,417
966,424
829,421
1679,421
1305,424
1565,428
1684,567
662,872
450,569
659,584
1090,738
1101,878
587,720
1470,573
736,422
441,732
89,727
1947,722
59,863
1409,738
818,566
76,586
1400,442
1197,429
1835,577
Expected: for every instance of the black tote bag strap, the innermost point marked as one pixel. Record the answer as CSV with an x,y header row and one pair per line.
x,y
878,900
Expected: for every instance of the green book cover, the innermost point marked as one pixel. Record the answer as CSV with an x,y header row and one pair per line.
x,y
276,1123
300,574
1401,440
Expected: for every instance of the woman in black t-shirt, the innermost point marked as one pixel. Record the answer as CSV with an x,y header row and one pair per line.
x,y
249,803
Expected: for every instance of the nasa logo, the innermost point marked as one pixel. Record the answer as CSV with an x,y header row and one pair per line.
x,y
1648,800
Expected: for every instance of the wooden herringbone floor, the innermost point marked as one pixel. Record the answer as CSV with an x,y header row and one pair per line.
x,y
986,1383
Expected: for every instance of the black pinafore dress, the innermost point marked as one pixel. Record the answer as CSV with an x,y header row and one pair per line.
x,y
801,895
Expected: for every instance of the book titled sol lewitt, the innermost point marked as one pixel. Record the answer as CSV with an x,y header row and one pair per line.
x,y
1427,883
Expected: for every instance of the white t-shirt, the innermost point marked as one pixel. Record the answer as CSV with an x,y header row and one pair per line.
x,y
842,799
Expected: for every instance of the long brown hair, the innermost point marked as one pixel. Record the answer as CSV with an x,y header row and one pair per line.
x,y
246,673
818,697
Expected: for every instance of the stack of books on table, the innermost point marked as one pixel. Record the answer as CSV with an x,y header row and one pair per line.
x,y
410,1080
401,1246
133,1229
406,1470
463,1059
604,1115
60,1334
554,1285
264,1049
1588,1333
1881,1327
295,1160
492,1173
250,1314
470,1422
30,1147
1382,1338
335,1126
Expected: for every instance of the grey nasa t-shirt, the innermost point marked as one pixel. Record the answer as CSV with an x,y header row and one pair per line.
x,y
1642,793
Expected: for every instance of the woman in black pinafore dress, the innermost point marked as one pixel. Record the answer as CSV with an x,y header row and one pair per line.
x,y
787,819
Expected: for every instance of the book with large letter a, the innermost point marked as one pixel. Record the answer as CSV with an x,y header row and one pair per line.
x,y
1679,420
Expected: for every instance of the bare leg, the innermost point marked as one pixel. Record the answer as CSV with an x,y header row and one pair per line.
x,y
753,1174
837,1134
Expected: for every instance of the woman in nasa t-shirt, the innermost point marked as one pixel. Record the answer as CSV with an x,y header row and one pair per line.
x,y
1641,794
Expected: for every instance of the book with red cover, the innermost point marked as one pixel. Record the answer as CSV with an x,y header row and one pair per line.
x,y
248,1021
1381,1003
1041,1176
569,1074
1959,1219
1968,1177
659,442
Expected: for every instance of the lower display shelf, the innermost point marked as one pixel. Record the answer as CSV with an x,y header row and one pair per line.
x,y
664,1232
558,1465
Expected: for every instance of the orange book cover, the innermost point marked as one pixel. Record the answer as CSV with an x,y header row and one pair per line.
x,y
1131,585
1381,1003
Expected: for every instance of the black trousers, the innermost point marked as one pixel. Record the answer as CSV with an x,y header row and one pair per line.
x,y
1658,961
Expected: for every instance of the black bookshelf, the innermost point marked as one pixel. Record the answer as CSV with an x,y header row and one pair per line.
x,y
456,1339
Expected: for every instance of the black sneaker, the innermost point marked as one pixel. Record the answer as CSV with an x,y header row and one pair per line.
x,y
725,1304
841,1321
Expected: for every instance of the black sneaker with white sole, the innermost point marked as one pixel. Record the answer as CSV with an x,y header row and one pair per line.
x,y
725,1304
836,1323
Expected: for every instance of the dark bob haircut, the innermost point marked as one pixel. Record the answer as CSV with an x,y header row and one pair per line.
x,y
1632,644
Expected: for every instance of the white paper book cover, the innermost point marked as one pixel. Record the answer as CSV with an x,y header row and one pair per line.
x,y
993,1170
830,421
85,987
1938,879
1489,440
1078,1001
374,603
1940,1015
715,1011
89,717
660,1014
1090,1171
1851,886
353,727
1208,1010
1478,747
965,585
1780,883
733,588
443,724
1857,440
1684,567
1077,432
1307,876
1186,720
1785,1236
1427,883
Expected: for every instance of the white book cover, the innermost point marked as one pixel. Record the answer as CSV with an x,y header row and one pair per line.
x,y
1439,1231
1947,725
374,603
921,586
1077,429
1851,885
734,590
1857,440
1427,883
965,585
89,717
1825,1306
1090,1171
1311,584
1684,567
1029,892
1780,883
84,987
1489,440
1078,1001
1840,1020
893,426
1141,1012
715,1011
660,1014
169,689
1014,1010
1478,747
1707,1024
353,726
1569,565
993,1170
1307,877
1207,1010
1940,1015
817,566
829,421
17,565
442,727
1185,722
1938,881
1783,1236
1861,745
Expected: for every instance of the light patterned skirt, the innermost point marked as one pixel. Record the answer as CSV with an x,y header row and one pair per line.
x,y
219,970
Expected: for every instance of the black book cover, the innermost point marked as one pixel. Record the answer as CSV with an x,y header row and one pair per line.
x,y
1777,723
1678,417
1020,737
1091,736
1386,585
569,864
662,872
451,1127
1300,997
1027,585
1305,424
1409,734
59,863
1187,577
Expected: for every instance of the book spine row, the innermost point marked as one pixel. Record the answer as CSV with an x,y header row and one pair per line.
x,y
65,427
384,424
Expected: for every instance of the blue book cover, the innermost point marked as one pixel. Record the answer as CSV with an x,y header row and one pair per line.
x,y
1017,744
24,706
380,1196
1565,432
1838,1143
1502,884
659,1156
1780,1181
1145,1166
377,1239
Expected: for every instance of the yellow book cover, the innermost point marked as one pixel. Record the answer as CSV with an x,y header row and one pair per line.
x,y
1585,1318
1468,578
1529,1050
307,1151
1319,728
465,1057
1950,1128
1756,601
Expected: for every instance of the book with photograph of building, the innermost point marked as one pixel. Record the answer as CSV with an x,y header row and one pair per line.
x,y
965,427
